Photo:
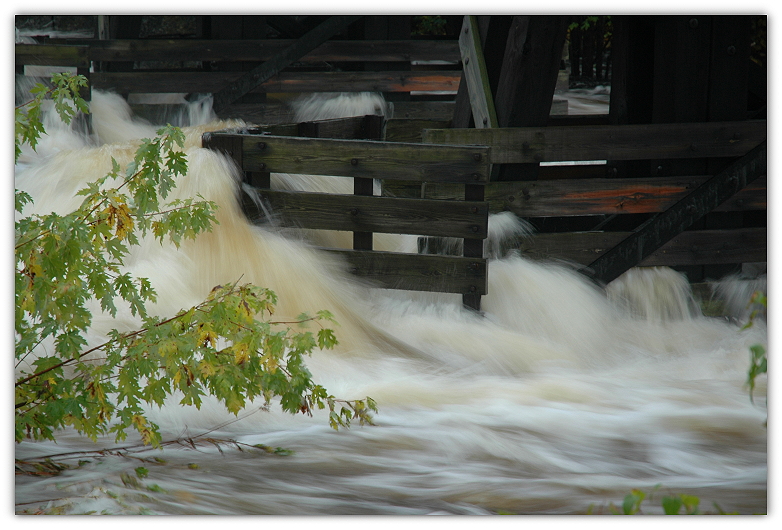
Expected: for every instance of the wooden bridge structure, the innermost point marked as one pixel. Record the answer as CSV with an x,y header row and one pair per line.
x,y
674,174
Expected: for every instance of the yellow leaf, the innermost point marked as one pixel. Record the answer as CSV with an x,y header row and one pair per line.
x,y
241,354
139,421
124,221
206,369
110,213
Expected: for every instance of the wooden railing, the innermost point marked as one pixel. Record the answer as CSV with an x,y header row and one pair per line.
x,y
259,155
219,63
675,202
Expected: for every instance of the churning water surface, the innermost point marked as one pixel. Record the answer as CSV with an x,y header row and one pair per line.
x,y
561,396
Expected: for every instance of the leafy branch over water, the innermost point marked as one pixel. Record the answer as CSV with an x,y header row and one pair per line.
x,y
226,346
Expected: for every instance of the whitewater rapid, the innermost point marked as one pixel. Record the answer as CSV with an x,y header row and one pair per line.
x,y
561,395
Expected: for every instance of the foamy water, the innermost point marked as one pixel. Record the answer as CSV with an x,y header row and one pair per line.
x,y
560,396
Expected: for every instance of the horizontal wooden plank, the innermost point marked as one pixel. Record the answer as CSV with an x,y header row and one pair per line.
x,y
557,198
52,55
417,272
433,110
364,158
287,81
409,129
273,112
609,142
262,50
396,81
563,198
353,127
259,113
467,219
695,247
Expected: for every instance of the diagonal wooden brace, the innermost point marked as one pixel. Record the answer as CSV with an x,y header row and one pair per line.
x,y
273,66
664,226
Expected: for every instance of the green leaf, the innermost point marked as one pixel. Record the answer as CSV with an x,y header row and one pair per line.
x,y
672,505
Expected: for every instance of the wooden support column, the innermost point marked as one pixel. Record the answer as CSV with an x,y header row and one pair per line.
x,y
473,248
530,69
697,79
362,186
122,27
373,130
257,76
388,27
235,27
632,54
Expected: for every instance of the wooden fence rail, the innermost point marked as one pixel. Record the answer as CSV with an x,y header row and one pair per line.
x,y
609,142
125,50
676,203
258,154
207,59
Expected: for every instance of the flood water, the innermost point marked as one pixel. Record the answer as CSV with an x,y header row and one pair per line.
x,y
559,399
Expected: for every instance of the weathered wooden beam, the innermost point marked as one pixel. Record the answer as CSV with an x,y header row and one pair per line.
x,y
367,159
529,70
263,50
476,75
353,127
557,198
617,142
493,29
409,129
473,248
362,189
395,81
664,226
294,52
591,196
52,55
196,81
276,113
692,247
468,219
417,272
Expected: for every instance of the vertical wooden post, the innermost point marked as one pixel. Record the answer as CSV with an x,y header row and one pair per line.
x,y
123,27
362,186
632,53
475,74
373,130
473,248
388,27
530,69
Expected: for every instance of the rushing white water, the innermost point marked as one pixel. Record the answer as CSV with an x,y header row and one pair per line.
x,y
560,396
